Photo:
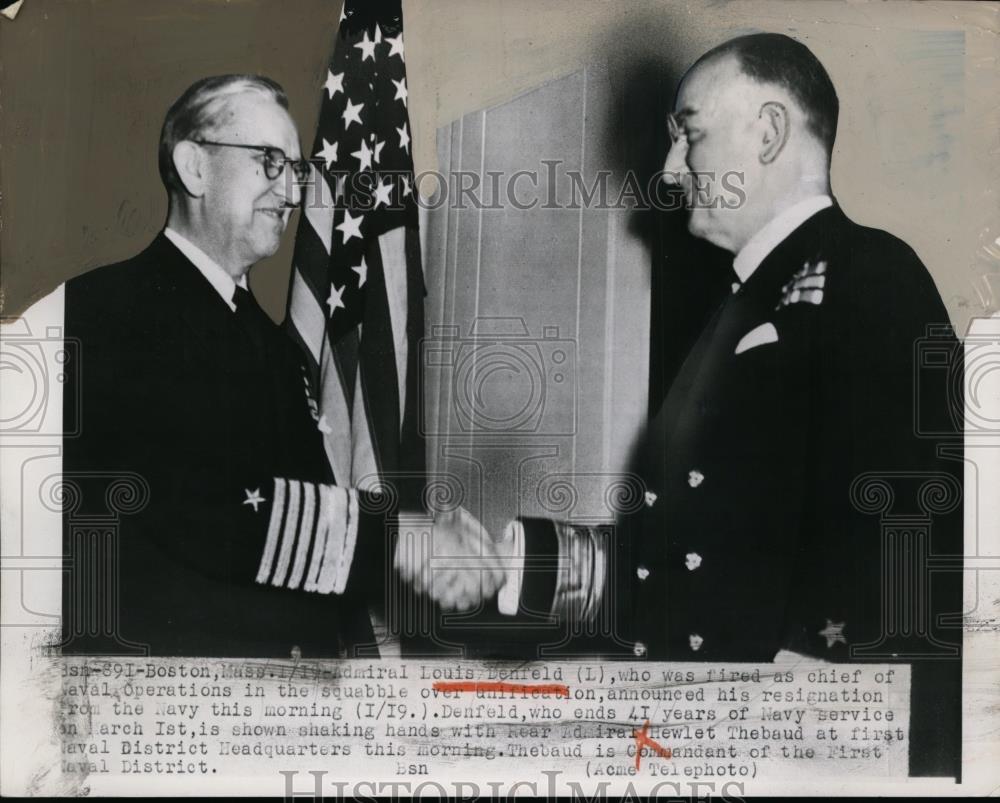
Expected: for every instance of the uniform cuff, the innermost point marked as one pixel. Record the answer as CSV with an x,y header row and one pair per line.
x,y
311,536
541,565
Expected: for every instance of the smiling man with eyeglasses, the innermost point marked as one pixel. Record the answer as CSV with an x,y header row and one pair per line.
x,y
244,546
224,150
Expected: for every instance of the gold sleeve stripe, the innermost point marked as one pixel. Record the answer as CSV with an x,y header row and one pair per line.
x,y
334,539
600,572
564,571
306,533
273,528
288,533
586,535
347,554
319,541
576,573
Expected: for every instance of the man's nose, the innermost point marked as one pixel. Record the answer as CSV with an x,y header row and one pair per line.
x,y
288,187
675,167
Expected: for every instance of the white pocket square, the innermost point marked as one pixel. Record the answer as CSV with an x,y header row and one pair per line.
x,y
765,333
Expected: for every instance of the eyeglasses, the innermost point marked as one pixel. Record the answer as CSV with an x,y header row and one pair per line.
x,y
675,128
275,160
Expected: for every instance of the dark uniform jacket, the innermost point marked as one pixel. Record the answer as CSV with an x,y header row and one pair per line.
x,y
202,416
763,518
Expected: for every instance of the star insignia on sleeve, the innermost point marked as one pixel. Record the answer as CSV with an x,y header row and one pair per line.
x,y
253,498
377,153
335,301
334,83
406,186
362,271
833,633
328,153
352,114
351,227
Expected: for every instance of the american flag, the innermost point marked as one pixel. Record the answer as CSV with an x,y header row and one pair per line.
x,y
356,298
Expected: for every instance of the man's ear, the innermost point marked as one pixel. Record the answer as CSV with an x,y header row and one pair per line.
x,y
189,162
775,118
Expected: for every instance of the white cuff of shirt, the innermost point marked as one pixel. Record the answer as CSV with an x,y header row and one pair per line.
x,y
509,597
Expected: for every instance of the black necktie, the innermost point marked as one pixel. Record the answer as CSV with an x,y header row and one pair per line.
x,y
252,319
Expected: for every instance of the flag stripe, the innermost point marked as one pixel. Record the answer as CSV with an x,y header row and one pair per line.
x,y
311,260
335,536
351,537
377,368
319,208
307,318
308,322
345,358
392,245
310,362
333,407
364,466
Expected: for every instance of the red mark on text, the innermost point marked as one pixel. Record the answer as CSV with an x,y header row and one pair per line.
x,y
642,740
556,689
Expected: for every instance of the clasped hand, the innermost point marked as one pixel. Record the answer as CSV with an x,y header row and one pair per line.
x,y
453,560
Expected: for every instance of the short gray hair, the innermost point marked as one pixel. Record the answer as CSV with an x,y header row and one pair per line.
x,y
197,111
774,58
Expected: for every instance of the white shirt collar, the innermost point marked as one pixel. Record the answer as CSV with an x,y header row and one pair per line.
x,y
768,238
223,283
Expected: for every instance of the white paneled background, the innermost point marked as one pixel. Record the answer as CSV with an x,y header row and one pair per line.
x,y
536,362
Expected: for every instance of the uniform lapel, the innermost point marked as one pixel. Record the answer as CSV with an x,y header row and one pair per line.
x,y
738,312
187,293
666,420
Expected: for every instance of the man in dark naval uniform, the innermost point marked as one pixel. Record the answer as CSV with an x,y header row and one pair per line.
x,y
789,431
195,423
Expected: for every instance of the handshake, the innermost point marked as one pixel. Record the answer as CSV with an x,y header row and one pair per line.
x,y
453,559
